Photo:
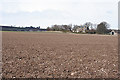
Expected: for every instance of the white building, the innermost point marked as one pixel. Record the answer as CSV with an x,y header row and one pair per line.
x,y
114,32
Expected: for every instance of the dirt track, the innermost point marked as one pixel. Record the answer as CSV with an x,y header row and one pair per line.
x,y
41,55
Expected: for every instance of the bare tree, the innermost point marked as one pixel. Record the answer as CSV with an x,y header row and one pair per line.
x,y
88,25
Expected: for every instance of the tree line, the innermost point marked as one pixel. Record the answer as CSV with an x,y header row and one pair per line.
x,y
88,27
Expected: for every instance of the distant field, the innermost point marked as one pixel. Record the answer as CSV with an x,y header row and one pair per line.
x,y
42,55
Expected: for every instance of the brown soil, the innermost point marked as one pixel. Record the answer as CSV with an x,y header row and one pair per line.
x,y
59,55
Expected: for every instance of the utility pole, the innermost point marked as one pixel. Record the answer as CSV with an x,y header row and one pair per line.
x,y
119,15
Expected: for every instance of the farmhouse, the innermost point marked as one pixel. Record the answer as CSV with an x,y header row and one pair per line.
x,y
81,29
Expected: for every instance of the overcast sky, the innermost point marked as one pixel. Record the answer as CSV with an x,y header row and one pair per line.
x,y
48,12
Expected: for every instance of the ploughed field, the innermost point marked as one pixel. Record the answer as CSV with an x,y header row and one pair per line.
x,y
59,55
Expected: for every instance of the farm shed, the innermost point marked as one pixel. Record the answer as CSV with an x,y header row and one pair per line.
x,y
114,32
